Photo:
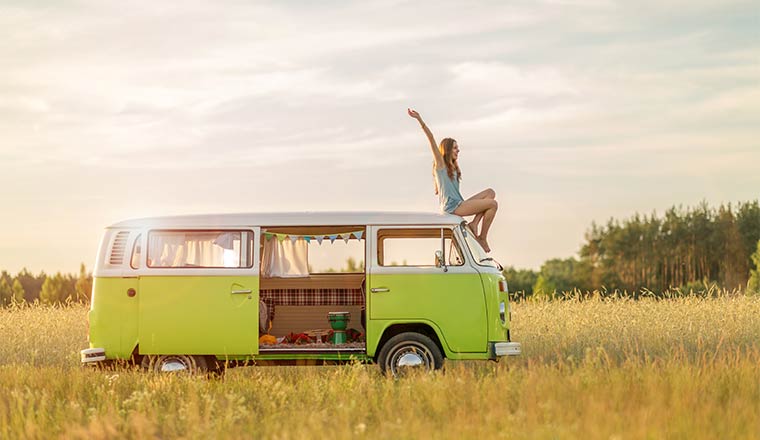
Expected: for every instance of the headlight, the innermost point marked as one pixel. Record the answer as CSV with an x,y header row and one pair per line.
x,y
503,312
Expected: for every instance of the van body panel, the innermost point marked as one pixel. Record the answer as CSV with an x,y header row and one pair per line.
x,y
113,316
377,327
204,315
452,301
497,330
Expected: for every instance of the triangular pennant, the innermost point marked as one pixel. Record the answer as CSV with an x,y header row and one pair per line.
x,y
281,237
319,238
268,236
294,238
358,234
307,238
333,237
346,237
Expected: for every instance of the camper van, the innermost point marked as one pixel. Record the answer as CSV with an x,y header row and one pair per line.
x,y
203,293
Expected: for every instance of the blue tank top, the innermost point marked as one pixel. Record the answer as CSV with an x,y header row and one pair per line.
x,y
448,190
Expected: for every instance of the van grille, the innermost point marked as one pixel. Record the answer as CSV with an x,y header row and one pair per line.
x,y
118,248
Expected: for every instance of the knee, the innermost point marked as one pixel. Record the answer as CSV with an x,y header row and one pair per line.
x,y
493,204
490,193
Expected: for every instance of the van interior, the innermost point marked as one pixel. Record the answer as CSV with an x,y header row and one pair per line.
x,y
312,289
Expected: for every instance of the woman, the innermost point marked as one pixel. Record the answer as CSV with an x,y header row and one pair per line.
x,y
447,176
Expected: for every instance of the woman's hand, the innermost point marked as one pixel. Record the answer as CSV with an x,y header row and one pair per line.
x,y
414,114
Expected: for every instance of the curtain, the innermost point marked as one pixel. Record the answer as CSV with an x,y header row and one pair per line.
x,y
194,249
285,259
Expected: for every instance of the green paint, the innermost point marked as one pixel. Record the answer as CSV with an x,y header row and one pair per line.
x,y
113,317
199,315
497,331
453,303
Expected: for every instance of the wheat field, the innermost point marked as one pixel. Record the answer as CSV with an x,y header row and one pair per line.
x,y
591,368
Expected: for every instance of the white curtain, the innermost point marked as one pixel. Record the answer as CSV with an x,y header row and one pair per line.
x,y
194,249
285,259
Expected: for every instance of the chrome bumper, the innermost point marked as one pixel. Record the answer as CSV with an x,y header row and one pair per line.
x,y
93,355
506,349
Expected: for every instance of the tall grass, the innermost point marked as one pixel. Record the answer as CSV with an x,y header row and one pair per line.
x,y
592,368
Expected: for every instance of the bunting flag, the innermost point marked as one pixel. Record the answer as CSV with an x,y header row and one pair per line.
x,y
345,236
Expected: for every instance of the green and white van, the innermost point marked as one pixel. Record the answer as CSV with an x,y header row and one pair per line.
x,y
207,292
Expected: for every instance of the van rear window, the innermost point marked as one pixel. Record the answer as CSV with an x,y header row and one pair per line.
x,y
200,249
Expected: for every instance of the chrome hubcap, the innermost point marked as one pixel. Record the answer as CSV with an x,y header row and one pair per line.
x,y
409,358
174,364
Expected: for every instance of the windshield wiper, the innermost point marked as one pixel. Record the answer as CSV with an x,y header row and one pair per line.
x,y
491,259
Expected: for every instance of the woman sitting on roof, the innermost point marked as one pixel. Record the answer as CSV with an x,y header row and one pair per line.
x,y
447,176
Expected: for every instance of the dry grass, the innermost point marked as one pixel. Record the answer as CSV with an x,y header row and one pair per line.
x,y
680,368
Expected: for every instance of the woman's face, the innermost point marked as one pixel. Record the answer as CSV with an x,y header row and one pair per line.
x,y
455,151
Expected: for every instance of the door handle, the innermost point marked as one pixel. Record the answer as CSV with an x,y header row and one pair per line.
x,y
379,289
241,292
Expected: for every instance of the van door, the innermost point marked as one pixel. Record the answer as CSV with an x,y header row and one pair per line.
x,y
199,293
406,285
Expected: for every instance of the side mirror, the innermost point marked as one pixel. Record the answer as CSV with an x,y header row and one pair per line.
x,y
439,261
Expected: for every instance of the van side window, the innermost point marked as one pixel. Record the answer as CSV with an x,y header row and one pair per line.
x,y
200,249
134,261
417,247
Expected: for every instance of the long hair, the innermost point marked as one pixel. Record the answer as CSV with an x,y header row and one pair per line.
x,y
452,166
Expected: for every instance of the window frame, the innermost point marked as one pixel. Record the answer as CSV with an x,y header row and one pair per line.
x,y
246,246
379,254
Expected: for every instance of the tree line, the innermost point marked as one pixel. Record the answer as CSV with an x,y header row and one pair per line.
x,y
684,249
47,289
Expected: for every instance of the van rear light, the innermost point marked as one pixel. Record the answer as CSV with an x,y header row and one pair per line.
x,y
502,285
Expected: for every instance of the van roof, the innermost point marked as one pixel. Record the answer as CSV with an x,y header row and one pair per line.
x,y
335,218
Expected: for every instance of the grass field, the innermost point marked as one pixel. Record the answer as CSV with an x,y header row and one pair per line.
x,y
614,369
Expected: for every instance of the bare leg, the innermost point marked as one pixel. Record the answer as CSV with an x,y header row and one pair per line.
x,y
486,208
474,223
487,220
485,194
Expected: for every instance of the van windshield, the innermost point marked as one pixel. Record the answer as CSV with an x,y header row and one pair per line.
x,y
480,255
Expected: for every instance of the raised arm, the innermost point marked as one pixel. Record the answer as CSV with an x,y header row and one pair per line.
x,y
433,146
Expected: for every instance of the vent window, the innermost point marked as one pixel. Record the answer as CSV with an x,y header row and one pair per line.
x,y
118,248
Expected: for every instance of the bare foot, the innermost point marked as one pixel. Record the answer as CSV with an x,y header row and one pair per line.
x,y
483,243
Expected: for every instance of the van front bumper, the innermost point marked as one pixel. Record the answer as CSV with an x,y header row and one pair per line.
x,y
91,356
499,349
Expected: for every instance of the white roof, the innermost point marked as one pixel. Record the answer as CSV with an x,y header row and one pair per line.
x,y
292,219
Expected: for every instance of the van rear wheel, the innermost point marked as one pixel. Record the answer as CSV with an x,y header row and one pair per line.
x,y
408,352
175,363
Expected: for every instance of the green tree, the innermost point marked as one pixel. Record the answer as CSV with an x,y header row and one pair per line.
x,y
520,280
58,289
18,292
753,285
6,292
83,285
562,275
352,266
32,284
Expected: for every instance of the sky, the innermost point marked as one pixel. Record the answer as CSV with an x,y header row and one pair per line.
x,y
572,111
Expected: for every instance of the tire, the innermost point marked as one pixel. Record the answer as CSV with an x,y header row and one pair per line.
x,y
175,364
408,352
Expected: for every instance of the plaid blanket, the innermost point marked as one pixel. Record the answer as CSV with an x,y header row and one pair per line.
x,y
311,297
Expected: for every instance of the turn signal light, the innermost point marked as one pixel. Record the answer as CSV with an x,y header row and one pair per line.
x,y
502,285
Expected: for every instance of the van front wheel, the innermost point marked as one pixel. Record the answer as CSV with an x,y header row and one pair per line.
x,y
407,352
175,363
